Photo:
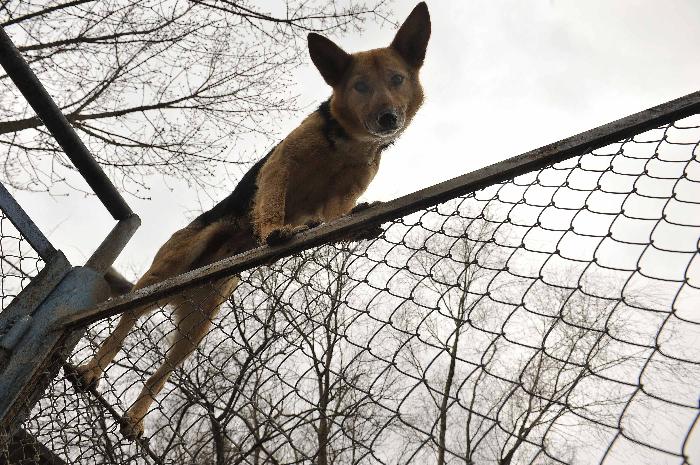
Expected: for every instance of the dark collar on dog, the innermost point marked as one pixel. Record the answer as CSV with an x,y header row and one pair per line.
x,y
331,127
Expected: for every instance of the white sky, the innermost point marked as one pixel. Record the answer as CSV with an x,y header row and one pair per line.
x,y
501,77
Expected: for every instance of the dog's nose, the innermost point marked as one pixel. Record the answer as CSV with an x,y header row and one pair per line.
x,y
388,120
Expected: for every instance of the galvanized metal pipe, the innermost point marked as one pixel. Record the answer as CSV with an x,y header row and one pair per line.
x,y
112,245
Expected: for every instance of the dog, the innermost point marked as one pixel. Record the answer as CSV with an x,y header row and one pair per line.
x,y
316,174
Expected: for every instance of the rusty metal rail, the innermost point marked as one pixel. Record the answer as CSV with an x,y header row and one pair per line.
x,y
498,172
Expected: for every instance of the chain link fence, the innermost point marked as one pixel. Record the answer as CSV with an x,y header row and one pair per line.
x,y
548,319
19,262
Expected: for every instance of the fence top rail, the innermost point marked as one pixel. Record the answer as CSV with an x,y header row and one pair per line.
x,y
54,120
461,185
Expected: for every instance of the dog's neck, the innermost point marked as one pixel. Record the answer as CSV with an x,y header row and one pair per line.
x,y
332,129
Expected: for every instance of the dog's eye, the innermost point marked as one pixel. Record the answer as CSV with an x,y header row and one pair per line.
x,y
361,87
397,79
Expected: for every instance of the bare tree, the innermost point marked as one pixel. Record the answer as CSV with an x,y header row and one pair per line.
x,y
232,402
447,350
487,398
276,381
335,372
223,405
157,86
454,263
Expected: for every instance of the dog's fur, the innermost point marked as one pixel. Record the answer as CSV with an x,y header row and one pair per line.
x,y
315,174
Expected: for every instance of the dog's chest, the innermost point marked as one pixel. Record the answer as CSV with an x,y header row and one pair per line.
x,y
327,185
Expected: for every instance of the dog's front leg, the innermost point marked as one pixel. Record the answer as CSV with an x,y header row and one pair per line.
x,y
194,311
270,204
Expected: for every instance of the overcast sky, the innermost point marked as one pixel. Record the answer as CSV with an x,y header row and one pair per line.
x,y
501,78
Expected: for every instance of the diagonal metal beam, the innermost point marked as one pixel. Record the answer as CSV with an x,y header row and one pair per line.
x,y
343,227
59,127
24,224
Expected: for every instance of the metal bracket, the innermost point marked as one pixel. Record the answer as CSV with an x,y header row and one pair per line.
x,y
38,352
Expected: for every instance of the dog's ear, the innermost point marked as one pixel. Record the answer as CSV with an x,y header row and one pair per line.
x,y
411,40
331,60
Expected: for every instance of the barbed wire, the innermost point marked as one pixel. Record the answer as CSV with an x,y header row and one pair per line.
x,y
544,320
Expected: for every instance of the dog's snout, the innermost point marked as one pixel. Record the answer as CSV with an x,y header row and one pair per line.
x,y
388,120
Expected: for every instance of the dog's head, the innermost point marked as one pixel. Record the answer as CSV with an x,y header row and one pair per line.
x,y
376,93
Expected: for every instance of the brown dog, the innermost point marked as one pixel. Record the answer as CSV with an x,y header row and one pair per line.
x,y
315,174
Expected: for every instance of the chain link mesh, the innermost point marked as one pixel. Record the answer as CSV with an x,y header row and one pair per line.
x,y
19,262
549,319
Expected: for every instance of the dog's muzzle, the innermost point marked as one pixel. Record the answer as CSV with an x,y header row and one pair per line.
x,y
386,124
388,121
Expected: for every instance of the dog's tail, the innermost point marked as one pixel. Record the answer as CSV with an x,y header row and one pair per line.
x,y
118,284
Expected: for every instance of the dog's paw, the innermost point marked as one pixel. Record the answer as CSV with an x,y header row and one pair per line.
x,y
131,427
279,236
313,223
86,376
284,234
364,206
